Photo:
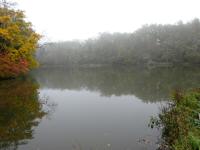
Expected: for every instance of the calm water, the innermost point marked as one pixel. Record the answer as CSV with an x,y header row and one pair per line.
x,y
87,109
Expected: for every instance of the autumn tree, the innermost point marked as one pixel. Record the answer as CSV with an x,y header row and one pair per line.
x,y
18,42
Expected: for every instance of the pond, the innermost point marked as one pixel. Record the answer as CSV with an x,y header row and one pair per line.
x,y
87,108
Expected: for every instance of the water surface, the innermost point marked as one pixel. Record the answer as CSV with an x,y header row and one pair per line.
x,y
87,108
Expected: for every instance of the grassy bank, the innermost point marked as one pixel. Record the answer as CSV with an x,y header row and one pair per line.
x,y
179,121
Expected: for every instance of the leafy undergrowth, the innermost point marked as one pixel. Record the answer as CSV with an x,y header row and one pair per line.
x,y
180,121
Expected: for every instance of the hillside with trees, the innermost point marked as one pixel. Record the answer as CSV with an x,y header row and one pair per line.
x,y
18,42
177,44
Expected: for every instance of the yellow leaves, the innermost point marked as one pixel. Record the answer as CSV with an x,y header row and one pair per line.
x,y
17,38
4,19
10,33
29,45
4,34
14,55
13,29
27,51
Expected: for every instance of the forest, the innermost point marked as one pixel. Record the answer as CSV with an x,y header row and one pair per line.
x,y
156,44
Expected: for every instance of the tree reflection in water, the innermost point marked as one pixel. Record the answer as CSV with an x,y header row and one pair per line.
x,y
20,111
150,85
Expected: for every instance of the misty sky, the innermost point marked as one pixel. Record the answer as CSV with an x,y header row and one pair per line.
x,y
60,20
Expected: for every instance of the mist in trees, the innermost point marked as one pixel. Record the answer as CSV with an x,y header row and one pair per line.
x,y
149,45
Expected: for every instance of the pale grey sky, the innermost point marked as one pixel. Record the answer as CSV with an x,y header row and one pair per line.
x,y
60,20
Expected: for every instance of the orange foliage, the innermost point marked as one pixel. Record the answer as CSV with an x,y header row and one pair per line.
x,y
8,68
18,43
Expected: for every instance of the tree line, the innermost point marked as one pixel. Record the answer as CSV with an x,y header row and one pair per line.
x,y
156,44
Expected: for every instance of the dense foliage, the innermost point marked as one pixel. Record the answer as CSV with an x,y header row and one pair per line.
x,y
151,45
180,122
18,42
